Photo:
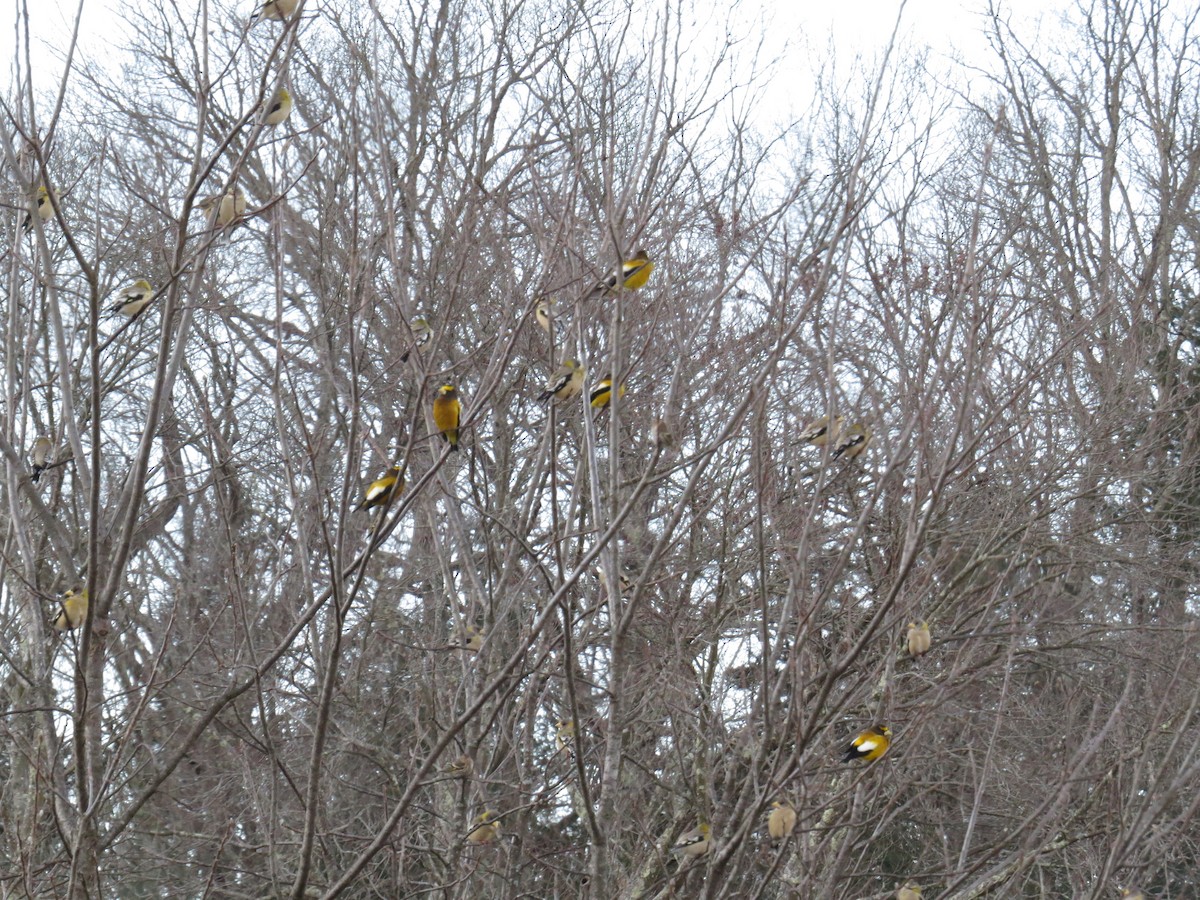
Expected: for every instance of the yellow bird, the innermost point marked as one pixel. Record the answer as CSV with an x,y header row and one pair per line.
x,y
910,891
1132,894
820,432
73,607
461,767
869,745
274,9
693,843
132,299
42,206
601,394
634,274
468,638
383,488
544,313
565,383
446,412
486,830
422,333
39,456
564,736
279,107
853,442
918,638
782,820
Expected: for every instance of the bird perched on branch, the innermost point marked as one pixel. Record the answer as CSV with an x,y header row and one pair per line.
x,y
660,433
274,9
42,206
853,442
564,736
820,432
693,843
918,638
422,333
910,891
383,488
72,610
869,745
468,638
544,313
486,830
633,274
446,412
279,107
461,767
225,207
565,382
782,820
132,299
39,456
601,394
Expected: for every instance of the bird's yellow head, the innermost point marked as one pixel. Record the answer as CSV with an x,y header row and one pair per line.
x,y
885,731
488,816
447,390
779,804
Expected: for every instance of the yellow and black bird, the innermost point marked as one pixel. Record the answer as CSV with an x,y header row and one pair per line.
x,y
468,638
383,488
447,409
565,383
910,891
601,394
782,820
42,206
279,107
853,442
72,610
869,745
819,432
693,843
132,299
40,457
918,638
633,274
274,9
422,333
486,830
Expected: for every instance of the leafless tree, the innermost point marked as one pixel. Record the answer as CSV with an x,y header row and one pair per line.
x,y
271,682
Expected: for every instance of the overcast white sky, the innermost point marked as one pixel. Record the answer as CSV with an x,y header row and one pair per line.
x,y
857,26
